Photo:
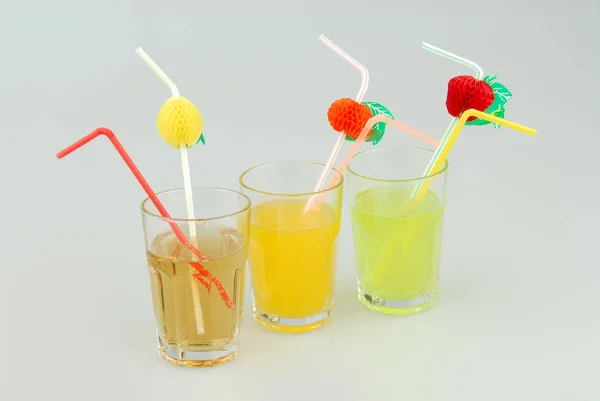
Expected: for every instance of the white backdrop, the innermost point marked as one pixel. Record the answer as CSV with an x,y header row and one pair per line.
x,y
517,315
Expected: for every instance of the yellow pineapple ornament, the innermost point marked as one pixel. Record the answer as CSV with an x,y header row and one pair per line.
x,y
179,121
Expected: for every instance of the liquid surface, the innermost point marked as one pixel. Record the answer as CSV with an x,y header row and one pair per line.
x,y
293,257
180,300
397,251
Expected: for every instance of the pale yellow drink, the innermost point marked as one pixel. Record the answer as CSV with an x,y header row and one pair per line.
x,y
174,291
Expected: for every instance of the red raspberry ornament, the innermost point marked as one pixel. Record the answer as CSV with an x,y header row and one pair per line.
x,y
348,116
466,92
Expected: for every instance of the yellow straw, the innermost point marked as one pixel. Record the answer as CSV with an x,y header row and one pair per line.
x,y
436,164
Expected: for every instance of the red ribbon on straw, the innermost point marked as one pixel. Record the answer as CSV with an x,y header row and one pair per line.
x,y
202,274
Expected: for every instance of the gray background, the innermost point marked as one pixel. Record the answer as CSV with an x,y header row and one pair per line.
x,y
518,311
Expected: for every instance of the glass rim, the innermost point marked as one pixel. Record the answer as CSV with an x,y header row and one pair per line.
x,y
146,212
322,191
405,180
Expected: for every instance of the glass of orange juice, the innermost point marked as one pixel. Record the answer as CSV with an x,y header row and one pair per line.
x,y
292,248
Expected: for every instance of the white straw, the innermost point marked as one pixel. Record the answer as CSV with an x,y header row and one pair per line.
x,y
187,184
364,73
163,77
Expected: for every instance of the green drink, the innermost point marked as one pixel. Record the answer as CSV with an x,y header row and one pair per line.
x,y
397,237
398,255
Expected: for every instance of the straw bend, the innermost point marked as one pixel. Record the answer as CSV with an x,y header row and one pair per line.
x,y
435,164
158,71
361,139
442,152
203,274
364,74
454,57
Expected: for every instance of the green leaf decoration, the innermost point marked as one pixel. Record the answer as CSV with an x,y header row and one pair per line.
x,y
201,139
488,79
501,96
377,136
377,108
501,93
379,128
498,113
496,109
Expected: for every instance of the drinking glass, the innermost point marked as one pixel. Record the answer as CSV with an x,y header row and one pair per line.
x,y
397,234
292,250
196,327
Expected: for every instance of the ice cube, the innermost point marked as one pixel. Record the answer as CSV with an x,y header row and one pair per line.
x,y
230,241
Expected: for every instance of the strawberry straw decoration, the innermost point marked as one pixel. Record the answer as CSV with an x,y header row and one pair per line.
x,y
202,274
467,99
464,93
348,116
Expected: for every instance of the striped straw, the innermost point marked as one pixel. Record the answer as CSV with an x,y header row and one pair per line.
x,y
364,73
436,155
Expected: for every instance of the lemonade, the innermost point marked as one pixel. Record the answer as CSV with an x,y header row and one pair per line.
x,y
398,255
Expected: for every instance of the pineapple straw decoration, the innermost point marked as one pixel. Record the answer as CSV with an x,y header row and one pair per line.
x,y
180,124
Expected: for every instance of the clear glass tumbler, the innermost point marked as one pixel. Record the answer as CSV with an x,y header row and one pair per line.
x,y
293,250
197,327
397,221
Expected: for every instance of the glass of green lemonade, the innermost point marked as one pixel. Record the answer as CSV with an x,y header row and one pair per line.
x,y
397,235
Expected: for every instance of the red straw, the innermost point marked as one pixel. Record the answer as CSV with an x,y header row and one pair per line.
x,y
202,274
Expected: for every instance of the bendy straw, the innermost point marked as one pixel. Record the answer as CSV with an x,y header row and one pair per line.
x,y
442,151
438,162
185,168
202,274
478,75
176,111
364,73
361,139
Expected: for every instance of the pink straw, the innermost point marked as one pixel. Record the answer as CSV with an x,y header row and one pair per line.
x,y
203,275
361,139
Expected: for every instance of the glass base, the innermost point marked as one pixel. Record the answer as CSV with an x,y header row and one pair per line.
x,y
196,359
397,307
291,325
